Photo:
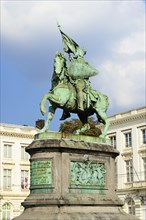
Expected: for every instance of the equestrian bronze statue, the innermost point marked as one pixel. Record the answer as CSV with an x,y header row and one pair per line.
x,y
71,90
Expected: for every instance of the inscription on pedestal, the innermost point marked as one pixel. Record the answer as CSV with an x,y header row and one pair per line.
x,y
41,172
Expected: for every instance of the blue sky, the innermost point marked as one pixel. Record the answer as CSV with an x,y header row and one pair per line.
x,y
112,33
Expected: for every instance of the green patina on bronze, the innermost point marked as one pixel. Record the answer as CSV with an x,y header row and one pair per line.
x,y
62,135
71,90
41,173
87,177
88,174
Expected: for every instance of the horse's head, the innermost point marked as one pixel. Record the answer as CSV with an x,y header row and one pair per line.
x,y
60,69
59,62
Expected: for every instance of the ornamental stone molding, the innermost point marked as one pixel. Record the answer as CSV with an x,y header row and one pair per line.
x,y
15,134
127,117
142,151
127,154
8,165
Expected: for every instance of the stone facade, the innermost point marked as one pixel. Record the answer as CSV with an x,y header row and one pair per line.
x,y
14,168
128,135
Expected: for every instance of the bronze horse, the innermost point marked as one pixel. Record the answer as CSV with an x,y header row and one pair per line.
x,y
63,96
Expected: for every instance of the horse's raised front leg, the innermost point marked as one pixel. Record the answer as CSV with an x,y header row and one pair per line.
x,y
49,118
43,102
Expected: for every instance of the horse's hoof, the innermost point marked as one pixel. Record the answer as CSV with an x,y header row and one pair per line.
x,y
42,130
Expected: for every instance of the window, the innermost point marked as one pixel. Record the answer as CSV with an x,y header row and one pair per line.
x,y
113,141
131,207
7,178
144,136
6,211
7,151
24,155
24,179
116,173
128,139
129,170
144,166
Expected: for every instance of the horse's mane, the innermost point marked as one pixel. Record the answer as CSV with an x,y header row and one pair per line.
x,y
62,77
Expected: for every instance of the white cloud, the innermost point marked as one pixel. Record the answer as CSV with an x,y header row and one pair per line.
x,y
119,25
124,83
135,43
22,20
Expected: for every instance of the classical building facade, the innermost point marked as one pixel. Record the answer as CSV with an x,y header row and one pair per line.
x,y
128,134
14,168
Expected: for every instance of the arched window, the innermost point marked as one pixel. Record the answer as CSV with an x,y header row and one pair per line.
x,y
7,211
131,206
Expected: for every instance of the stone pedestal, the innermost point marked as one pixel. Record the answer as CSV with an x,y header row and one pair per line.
x,y
72,180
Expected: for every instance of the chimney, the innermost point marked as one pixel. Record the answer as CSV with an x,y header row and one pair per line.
x,y
39,123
